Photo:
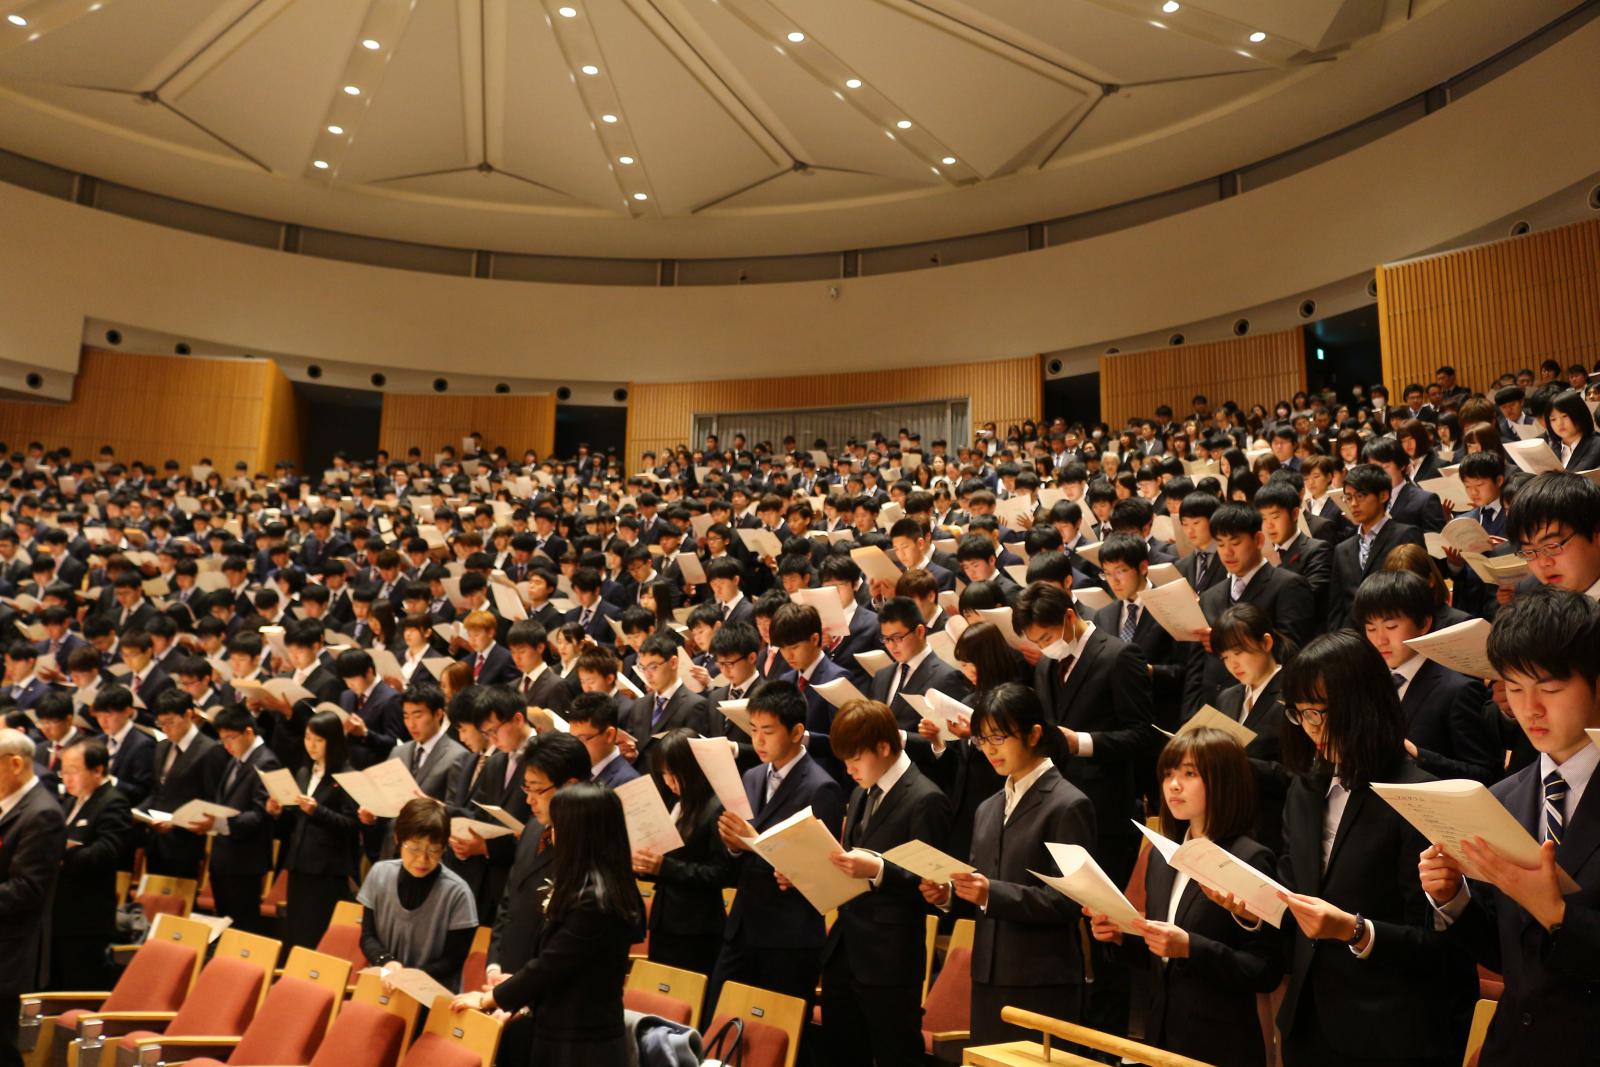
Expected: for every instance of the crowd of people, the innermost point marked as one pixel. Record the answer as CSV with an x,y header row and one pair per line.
x,y
526,635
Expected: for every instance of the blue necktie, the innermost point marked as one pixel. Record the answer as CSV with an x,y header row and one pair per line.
x,y
1130,622
661,706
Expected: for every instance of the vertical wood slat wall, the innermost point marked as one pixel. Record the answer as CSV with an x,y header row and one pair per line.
x,y
1493,308
156,408
430,422
1261,369
1003,392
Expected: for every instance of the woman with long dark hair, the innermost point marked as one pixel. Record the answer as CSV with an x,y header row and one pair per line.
x,y
573,985
687,912
323,853
1572,429
1371,981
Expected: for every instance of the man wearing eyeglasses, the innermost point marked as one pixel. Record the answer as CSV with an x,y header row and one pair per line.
x,y
915,670
1554,522
1366,493
485,864
668,703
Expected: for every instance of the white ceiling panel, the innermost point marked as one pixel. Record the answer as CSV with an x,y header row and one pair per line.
x,y
120,46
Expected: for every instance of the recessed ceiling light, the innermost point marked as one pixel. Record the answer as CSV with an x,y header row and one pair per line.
x,y
626,161
904,124
567,12
590,69
1171,7
16,20
320,164
1257,37
641,196
336,130
352,90
948,161
795,37
852,83
371,45
608,118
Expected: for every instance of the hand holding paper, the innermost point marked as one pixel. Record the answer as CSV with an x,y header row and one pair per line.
x,y
1082,880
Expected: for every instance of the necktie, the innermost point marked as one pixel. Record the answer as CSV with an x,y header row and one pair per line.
x,y
1398,679
483,757
172,757
527,684
1066,667
1555,799
1130,621
55,753
233,772
903,675
870,808
1202,560
477,666
1365,552
416,760
112,744
585,616
660,708
800,681
735,694
773,781
1488,515
1238,588
725,609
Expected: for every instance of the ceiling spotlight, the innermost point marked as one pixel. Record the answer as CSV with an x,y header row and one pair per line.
x,y
371,45
352,90
1257,37
852,83
904,124
796,37
336,130
626,161
567,12
320,164
1171,7
948,161
641,196
16,20
590,69
608,118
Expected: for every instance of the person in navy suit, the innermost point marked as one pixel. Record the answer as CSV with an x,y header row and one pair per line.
x,y
131,749
241,846
592,610
1483,474
1366,491
490,662
1520,921
1309,557
840,572
592,719
773,937
915,668
724,576
23,686
913,548
377,716
796,632
1407,504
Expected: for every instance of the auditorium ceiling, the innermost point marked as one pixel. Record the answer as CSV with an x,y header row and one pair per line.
x,y
703,128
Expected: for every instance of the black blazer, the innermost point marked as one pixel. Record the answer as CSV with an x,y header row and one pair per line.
x,y
33,837
1215,571
519,915
486,875
1445,720
247,846
328,841
98,838
1348,574
1168,658
1412,998
764,916
967,778
1265,753
1585,455
1546,1013
1312,559
549,690
863,637
882,931
134,766
195,775
599,629
931,673
1028,935
684,708
384,715
1416,507
1204,1006
1288,602
688,899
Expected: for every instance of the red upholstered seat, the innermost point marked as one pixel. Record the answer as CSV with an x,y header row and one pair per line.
x,y
289,1027
156,979
764,1045
344,941
363,1036
475,971
649,1002
431,1050
949,1003
1490,985
223,1003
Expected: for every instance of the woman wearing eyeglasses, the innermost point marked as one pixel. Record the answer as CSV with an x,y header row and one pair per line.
x,y
1026,951
1371,982
418,913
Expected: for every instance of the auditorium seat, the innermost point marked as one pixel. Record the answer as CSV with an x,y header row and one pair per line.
x,y
772,1023
160,894
689,987
157,979
649,1002
288,1028
277,896
475,970
225,999
930,945
947,1009
1482,1015
373,1029
453,1039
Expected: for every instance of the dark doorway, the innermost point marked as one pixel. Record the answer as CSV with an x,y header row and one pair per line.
x,y
1075,398
338,420
604,428
1343,350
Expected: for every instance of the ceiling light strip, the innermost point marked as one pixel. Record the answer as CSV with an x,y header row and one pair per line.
x,y
357,85
1191,20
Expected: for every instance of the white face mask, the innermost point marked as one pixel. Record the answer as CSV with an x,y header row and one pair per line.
x,y
1058,649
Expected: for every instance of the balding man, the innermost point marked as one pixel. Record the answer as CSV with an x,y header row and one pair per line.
x,y
33,837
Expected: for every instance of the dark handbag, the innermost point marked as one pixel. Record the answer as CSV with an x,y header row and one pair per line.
x,y
723,1050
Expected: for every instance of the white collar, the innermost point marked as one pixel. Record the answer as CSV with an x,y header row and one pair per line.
x,y
666,694
594,771
1408,670
533,675
1577,770
1253,694
915,662
1016,790
188,739
16,796
1245,578
892,776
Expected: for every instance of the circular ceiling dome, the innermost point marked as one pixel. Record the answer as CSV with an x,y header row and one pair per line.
x,y
705,127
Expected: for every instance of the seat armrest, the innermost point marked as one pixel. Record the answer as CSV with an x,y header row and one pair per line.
x,y
55,1003
948,1045
117,1023
174,1050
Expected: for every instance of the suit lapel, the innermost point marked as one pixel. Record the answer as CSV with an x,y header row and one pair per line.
x,y
1082,669
1583,835
1352,811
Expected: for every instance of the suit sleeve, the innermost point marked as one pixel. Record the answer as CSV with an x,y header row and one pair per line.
x,y
569,951
25,890
1317,570
1478,754
1071,824
930,824
111,830
1296,609
1255,963
1132,734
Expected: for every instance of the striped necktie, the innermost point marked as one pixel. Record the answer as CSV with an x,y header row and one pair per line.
x,y
1130,622
1555,800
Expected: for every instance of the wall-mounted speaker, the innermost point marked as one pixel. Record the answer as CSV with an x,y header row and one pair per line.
x,y
1113,350
1241,327
563,393
1308,308
313,370
441,384
1372,287
113,337
182,348
619,395
1520,227
378,379
1054,366
35,380
1175,339
502,387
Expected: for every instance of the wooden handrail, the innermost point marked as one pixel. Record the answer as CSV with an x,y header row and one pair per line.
x,y
1095,1039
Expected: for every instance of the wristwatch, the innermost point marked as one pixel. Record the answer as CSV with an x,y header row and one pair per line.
x,y
1354,939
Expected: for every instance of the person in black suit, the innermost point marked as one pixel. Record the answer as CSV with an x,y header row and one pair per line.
x,y
491,664
573,985
33,839
1521,922
484,865
724,575
148,679
1407,504
591,611
1483,475
592,719
1572,432
874,957
773,937
734,648
376,719
189,765
1025,950
916,669
283,723
550,762
131,610
323,852
536,683
1370,980
99,835
241,848
840,573
1289,549
796,631
687,913
1447,732
1124,562
1254,655
1204,969
667,705
1285,597
132,751
1200,567
1366,491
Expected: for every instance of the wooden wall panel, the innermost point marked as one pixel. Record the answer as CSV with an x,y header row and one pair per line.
x,y
430,422
1261,369
660,415
155,408
1493,308
282,423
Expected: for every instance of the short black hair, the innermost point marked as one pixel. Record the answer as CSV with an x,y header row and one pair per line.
x,y
781,698
596,709
1235,520
1547,632
1368,479
1556,498
1126,549
560,757
1393,594
1041,604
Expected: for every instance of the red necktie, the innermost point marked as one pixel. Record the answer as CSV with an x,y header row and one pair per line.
x,y
477,667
